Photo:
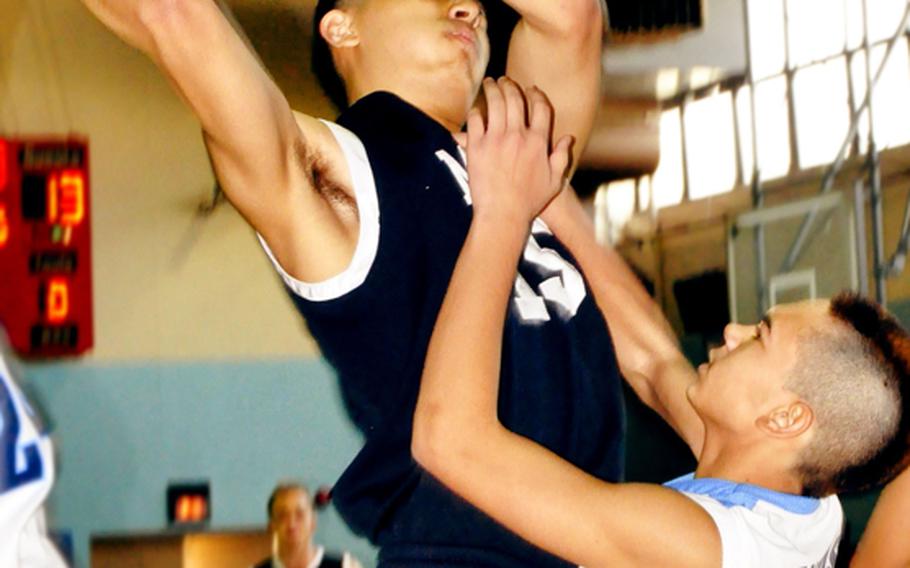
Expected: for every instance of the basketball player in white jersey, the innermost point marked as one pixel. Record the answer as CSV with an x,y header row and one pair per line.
x,y
26,476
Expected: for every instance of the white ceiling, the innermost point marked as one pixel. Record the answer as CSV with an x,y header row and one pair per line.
x,y
691,59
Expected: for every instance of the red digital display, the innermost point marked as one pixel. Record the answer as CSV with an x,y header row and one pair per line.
x,y
191,509
188,503
45,246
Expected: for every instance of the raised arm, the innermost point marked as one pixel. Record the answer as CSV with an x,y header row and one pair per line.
x,y
884,543
264,156
646,346
457,435
556,46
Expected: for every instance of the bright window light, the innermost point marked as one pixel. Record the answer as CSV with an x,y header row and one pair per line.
x,y
710,145
667,184
892,122
644,193
614,204
858,79
621,201
891,96
772,127
766,37
744,124
884,17
816,30
822,112
854,19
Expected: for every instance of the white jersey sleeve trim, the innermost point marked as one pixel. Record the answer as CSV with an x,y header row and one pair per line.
x,y
368,238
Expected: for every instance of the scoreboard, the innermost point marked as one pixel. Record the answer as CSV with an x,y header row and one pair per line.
x,y
45,246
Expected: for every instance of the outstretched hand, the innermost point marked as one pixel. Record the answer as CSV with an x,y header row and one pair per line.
x,y
512,172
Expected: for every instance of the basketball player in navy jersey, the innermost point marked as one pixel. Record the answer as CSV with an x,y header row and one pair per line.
x,y
364,219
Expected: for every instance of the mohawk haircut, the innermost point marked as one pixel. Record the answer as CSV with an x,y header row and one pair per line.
x,y
865,366
890,344
321,62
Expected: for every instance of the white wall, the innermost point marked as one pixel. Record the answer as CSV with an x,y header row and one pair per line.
x,y
168,284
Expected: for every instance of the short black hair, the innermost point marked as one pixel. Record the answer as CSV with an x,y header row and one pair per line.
x,y
321,61
281,488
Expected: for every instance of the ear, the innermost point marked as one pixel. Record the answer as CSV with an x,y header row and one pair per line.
x,y
787,421
337,29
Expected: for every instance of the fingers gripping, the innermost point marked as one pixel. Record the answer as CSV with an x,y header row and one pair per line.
x,y
510,164
515,106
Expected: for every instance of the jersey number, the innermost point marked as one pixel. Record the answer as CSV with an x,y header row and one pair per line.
x,y
567,290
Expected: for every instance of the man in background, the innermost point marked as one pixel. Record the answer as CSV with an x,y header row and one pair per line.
x,y
292,524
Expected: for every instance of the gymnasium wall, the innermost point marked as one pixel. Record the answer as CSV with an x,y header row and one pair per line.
x,y
123,431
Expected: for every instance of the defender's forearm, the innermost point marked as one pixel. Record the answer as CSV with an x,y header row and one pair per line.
x,y
458,395
646,346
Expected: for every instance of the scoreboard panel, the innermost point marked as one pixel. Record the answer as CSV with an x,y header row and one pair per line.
x,y
45,246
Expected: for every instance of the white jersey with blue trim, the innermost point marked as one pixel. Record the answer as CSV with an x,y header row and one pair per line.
x,y
759,527
26,477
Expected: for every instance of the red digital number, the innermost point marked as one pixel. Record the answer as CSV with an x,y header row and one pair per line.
x,y
66,197
4,227
58,300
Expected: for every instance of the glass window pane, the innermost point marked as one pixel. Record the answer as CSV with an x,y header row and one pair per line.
x,y
620,205
766,36
772,127
858,78
884,17
744,123
601,216
667,184
644,193
621,200
891,96
854,10
822,112
710,145
816,30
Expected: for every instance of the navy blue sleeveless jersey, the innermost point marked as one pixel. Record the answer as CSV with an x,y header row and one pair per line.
x,y
559,384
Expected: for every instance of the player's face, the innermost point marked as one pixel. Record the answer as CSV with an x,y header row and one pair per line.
x,y
424,38
293,520
746,377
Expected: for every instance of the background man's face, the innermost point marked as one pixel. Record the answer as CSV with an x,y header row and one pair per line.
x,y
293,519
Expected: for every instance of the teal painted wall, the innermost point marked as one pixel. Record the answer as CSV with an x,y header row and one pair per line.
x,y
123,431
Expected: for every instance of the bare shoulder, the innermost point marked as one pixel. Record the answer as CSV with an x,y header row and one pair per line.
x,y
689,536
315,233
